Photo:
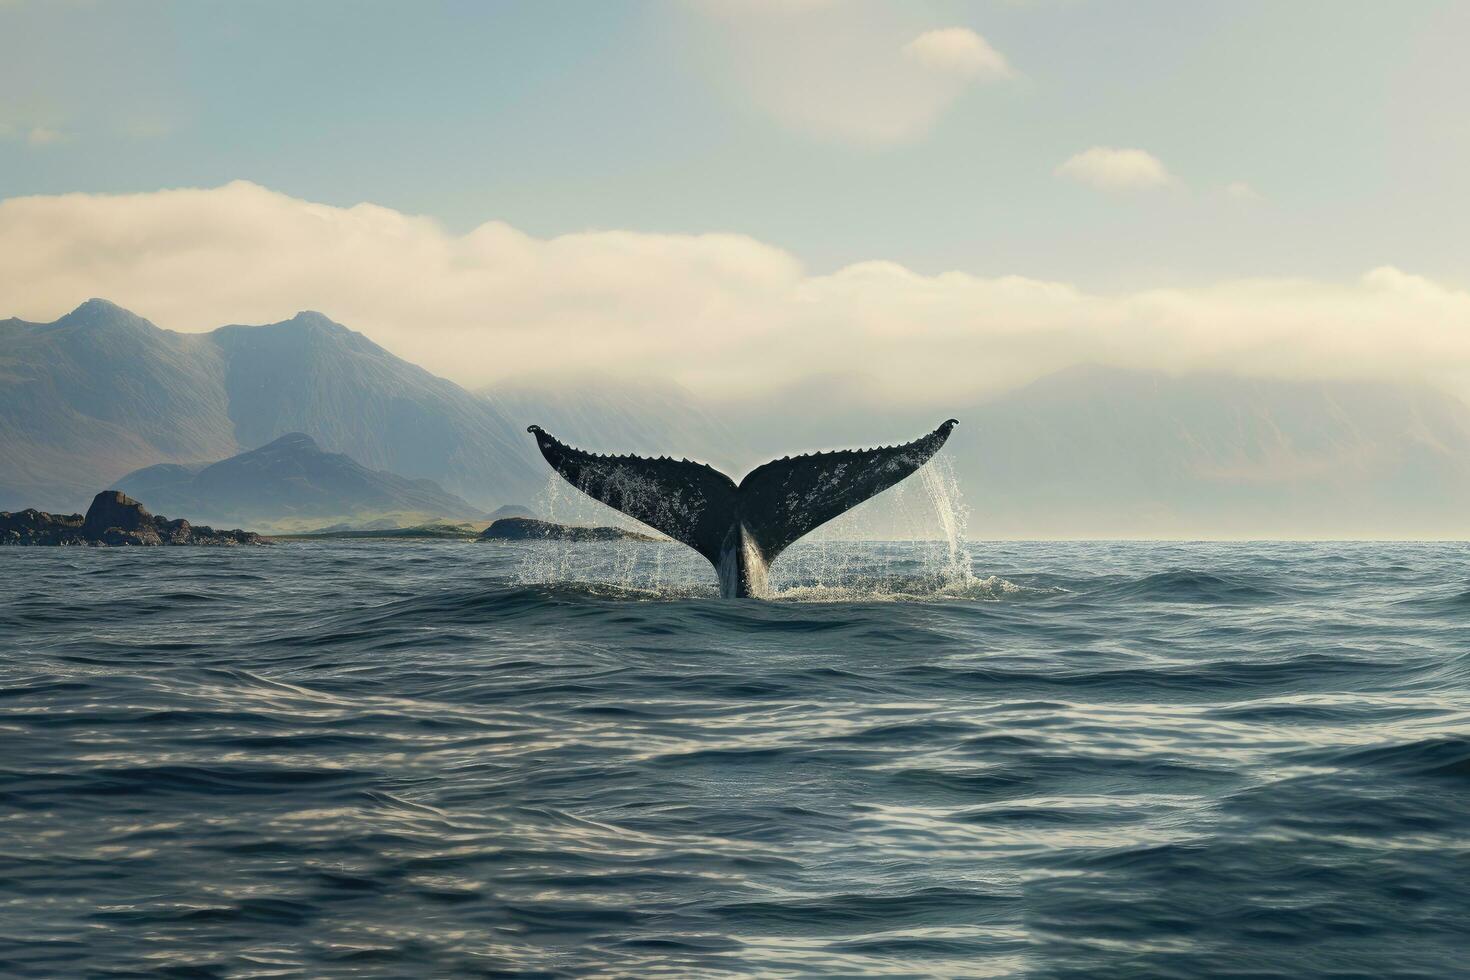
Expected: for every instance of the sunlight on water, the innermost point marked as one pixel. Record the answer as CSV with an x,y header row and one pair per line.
x,y
391,758
854,557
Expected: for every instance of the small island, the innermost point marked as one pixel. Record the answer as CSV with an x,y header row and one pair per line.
x,y
505,529
530,529
113,519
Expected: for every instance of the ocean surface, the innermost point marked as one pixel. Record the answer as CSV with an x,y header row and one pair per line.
x,y
453,759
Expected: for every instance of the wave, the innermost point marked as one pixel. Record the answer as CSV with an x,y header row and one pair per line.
x,y
847,912
992,588
1445,757
1186,585
1080,760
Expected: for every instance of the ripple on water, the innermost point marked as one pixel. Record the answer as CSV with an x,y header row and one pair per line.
x,y
399,758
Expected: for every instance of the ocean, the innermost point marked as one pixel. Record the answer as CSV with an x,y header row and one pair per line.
x,y
449,759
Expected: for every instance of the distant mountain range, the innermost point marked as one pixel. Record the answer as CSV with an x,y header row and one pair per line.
x,y
1088,452
1104,452
291,483
102,392
1112,453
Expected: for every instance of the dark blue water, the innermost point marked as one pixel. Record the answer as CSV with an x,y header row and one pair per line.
x,y
382,759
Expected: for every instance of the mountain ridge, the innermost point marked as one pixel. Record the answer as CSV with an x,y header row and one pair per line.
x,y
290,478
101,392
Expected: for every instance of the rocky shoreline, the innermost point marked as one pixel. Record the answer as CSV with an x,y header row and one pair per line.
x,y
113,520
530,529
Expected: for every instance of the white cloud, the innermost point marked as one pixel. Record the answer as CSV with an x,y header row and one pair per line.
x,y
31,135
1239,190
959,51
1111,169
44,136
852,73
722,313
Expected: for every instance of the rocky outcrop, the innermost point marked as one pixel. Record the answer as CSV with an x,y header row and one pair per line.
x,y
530,529
113,519
115,510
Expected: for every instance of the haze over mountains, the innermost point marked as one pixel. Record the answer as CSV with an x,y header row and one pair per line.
x,y
648,417
1106,452
291,483
101,393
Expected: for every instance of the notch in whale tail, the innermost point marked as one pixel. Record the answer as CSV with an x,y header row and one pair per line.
x,y
740,528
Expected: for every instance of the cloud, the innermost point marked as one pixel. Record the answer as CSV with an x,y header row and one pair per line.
x,y
725,314
1239,190
1110,169
959,51
31,135
853,73
44,136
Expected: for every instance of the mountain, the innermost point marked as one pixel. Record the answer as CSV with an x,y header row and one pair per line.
x,y
102,392
509,510
309,374
288,480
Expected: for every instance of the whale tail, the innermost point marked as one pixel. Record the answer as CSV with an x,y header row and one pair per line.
x,y
740,528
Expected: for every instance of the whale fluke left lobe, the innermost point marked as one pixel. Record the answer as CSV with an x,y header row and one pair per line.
x,y
690,502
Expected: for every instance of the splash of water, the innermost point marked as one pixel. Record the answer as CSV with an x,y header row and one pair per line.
x,y
656,569
943,487
906,543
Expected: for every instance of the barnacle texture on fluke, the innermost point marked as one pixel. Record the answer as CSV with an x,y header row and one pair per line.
x,y
741,528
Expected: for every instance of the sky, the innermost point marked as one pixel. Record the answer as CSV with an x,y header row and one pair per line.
x,y
731,193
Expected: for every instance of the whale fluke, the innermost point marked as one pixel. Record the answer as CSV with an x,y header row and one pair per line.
x,y
739,529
